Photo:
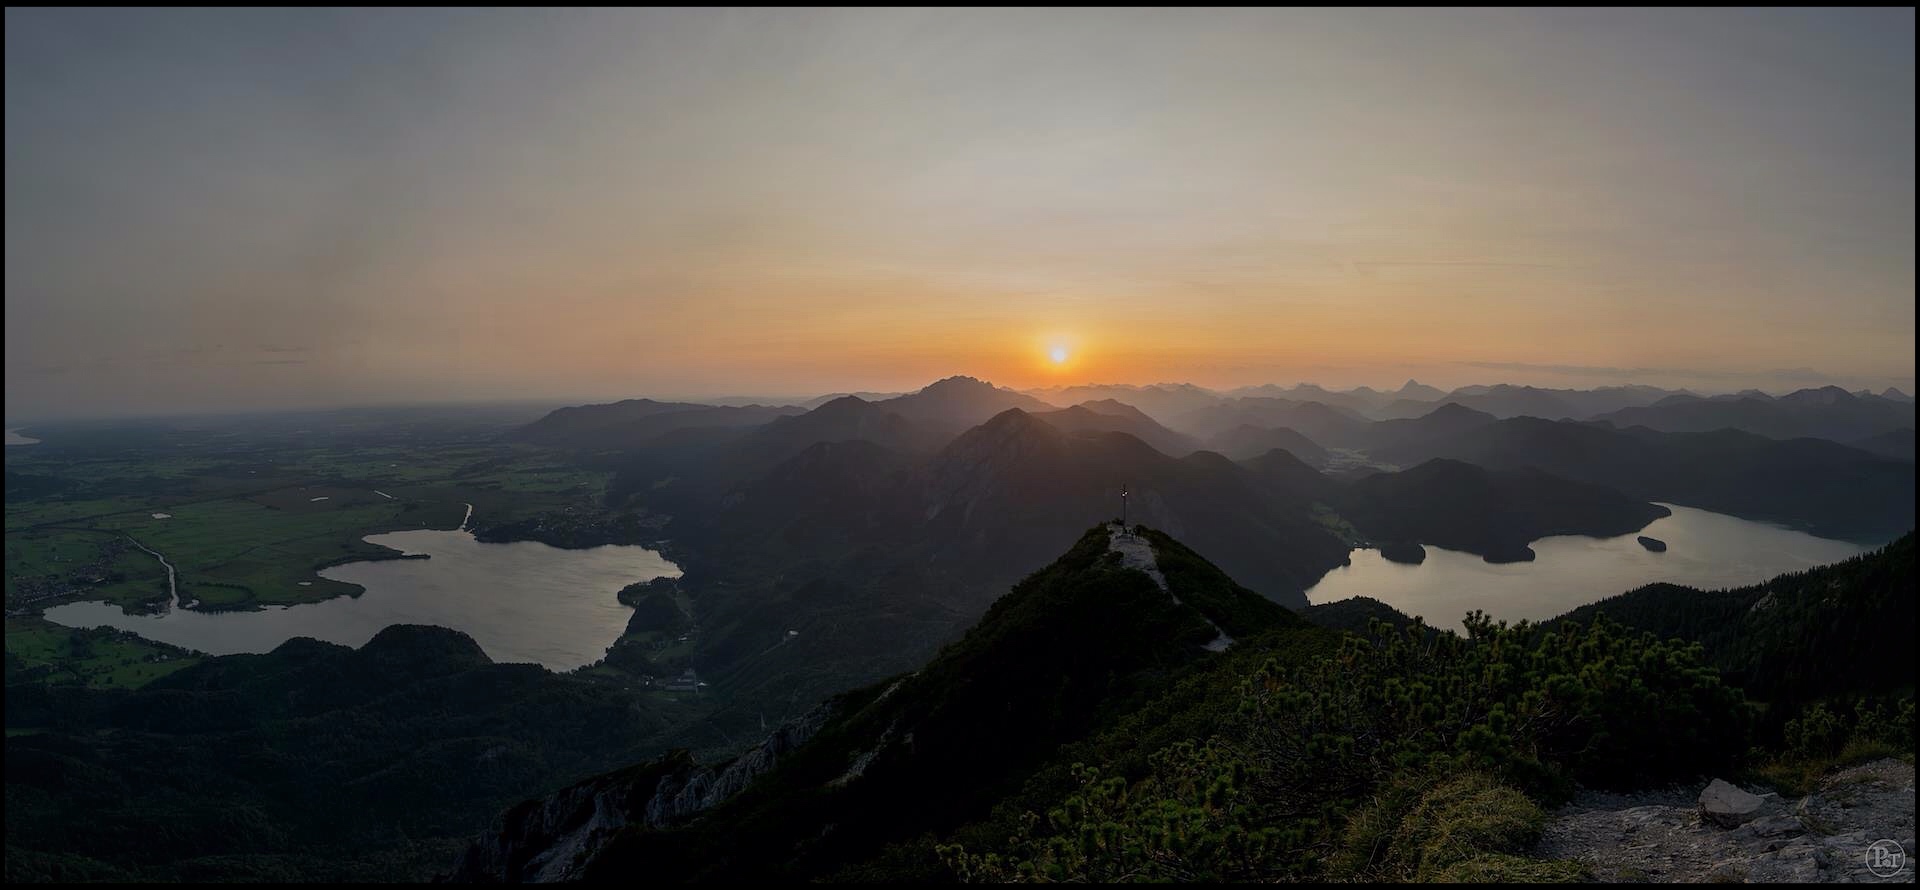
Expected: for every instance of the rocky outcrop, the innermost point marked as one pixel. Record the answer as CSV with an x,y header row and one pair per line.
x,y
555,837
1728,806
682,795
1825,837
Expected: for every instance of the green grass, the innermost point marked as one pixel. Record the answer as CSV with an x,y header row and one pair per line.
x,y
96,657
1465,828
240,552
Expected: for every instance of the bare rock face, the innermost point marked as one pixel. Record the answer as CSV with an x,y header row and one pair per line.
x,y
1727,806
554,838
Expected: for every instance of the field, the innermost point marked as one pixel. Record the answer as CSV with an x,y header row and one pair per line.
x,y
248,510
99,657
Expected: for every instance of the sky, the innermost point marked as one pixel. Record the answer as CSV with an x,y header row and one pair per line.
x,y
242,209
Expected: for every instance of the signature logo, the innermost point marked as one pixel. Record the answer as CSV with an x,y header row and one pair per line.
x,y
1885,858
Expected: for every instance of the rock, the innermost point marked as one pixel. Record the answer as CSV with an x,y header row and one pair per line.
x,y
1776,826
1790,865
1728,806
1661,835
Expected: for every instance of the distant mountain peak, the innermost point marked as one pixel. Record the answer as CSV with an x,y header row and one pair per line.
x,y
1015,418
1455,409
960,400
1825,395
958,381
1417,391
844,404
1115,408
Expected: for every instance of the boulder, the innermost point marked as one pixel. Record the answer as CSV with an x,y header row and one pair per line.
x,y
1727,806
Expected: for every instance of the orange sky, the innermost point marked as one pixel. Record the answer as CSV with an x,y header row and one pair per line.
x,y
236,209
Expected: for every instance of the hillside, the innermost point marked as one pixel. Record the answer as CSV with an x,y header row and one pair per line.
x,y
1113,417
1822,487
1846,627
312,762
1495,515
1298,753
1015,489
927,751
1897,445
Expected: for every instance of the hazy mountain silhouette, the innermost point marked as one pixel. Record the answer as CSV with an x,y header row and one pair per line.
x,y
1414,390
1824,487
817,401
1246,440
1324,424
1161,401
847,418
1825,413
1447,419
1358,401
960,402
1505,400
1108,416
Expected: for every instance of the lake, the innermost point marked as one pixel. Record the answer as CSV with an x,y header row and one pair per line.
x,y
14,438
522,602
1704,549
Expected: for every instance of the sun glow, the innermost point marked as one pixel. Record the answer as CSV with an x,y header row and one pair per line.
x,y
1053,353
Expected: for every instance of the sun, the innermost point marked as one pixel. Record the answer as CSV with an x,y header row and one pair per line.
x,y
1058,354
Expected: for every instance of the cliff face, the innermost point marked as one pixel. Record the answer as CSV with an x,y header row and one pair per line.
x,y
683,794
554,838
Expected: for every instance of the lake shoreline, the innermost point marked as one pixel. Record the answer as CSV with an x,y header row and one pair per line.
x,y
522,602
1706,550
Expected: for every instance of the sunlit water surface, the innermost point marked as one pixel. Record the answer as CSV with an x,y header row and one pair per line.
x,y
1704,549
522,602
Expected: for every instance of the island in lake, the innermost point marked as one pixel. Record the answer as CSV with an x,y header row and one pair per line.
x,y
1654,544
1404,552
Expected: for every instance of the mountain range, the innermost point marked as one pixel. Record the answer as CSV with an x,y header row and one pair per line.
x,y
876,535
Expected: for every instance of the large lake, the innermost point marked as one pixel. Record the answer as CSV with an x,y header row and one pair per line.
x,y
1704,550
522,602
